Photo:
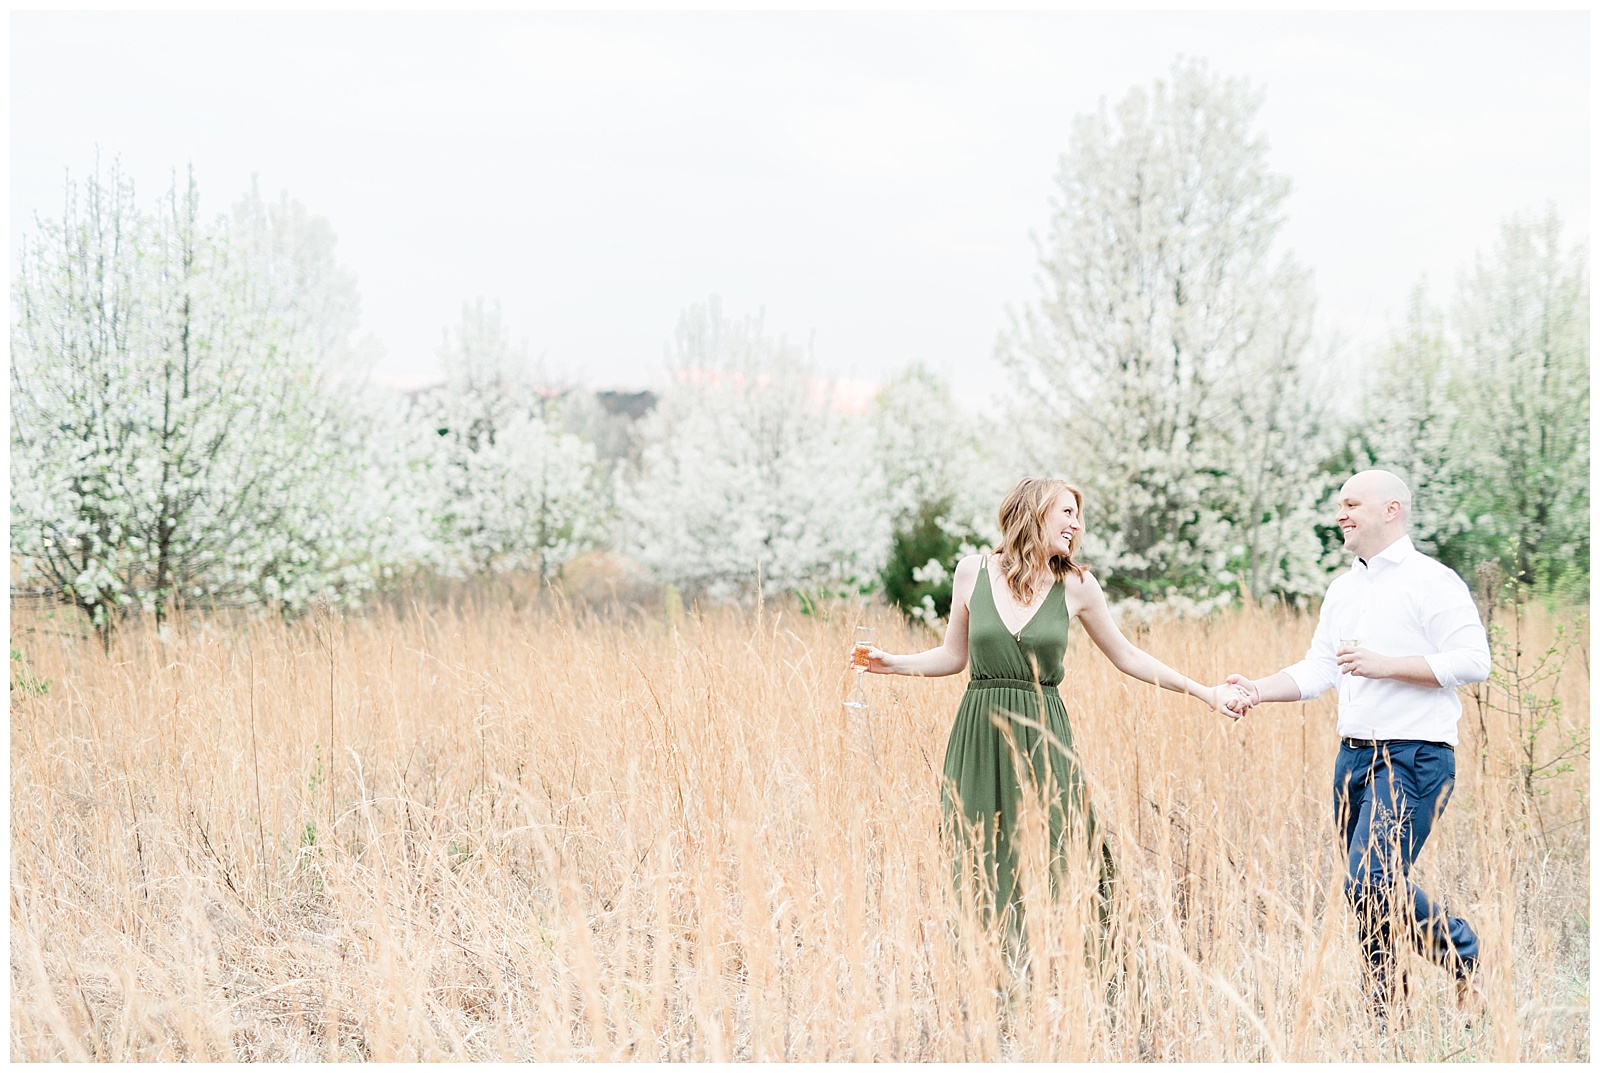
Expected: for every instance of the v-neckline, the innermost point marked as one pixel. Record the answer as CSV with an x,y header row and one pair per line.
x,y
1016,635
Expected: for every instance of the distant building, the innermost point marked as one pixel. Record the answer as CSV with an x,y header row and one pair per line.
x,y
630,404
609,420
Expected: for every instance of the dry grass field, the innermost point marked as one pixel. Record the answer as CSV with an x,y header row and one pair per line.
x,y
503,829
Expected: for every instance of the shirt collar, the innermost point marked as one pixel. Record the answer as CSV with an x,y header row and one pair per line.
x,y
1396,553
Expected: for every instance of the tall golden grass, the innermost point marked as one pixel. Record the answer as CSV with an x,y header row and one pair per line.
x,y
495,830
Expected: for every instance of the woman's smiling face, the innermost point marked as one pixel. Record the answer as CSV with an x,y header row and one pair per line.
x,y
1062,523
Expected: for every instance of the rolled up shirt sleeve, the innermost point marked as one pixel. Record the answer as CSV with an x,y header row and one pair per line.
x,y
1318,672
1461,653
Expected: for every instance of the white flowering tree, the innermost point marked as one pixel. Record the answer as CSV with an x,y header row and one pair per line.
x,y
1165,366
1523,318
932,450
943,485
172,443
394,504
747,476
288,252
1486,411
512,489
1409,414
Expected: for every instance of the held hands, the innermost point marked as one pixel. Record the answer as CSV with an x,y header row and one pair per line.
x,y
1228,697
1238,695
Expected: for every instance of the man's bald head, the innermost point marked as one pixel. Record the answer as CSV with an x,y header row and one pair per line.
x,y
1380,484
1374,510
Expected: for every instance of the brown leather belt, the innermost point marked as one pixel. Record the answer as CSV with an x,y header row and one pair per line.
x,y
1362,743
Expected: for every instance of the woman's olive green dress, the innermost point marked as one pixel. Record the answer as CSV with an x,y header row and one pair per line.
x,y
985,779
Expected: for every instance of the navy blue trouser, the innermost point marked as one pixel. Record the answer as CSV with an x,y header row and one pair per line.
x,y
1385,800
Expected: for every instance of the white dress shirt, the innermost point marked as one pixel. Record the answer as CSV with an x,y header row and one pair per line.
x,y
1400,603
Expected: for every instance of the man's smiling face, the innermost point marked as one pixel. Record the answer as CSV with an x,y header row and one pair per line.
x,y
1367,516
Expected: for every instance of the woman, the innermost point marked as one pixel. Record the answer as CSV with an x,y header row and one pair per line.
x,y
1010,610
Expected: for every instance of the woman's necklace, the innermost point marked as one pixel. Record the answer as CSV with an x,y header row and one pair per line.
x,y
1034,584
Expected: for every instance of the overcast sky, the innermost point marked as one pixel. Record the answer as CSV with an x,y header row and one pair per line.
x,y
870,180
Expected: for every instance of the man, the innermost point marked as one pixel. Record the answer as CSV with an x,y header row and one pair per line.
x,y
1397,634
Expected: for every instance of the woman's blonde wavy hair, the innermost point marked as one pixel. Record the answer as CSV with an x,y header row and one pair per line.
x,y
1024,545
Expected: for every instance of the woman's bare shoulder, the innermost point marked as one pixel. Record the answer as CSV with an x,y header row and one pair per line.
x,y
1082,581
964,582
1082,590
966,575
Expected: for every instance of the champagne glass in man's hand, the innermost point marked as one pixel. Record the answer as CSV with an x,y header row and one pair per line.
x,y
1346,656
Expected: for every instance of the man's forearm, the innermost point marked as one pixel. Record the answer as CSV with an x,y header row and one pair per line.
x,y
1365,663
1279,687
1411,669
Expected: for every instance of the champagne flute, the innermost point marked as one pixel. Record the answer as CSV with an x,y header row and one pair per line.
x,y
859,650
1345,644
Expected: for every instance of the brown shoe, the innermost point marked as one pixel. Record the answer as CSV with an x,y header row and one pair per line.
x,y
1471,997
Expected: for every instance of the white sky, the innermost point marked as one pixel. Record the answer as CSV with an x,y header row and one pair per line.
x,y
871,180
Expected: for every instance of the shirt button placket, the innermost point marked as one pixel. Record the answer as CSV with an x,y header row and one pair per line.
x,y
1359,631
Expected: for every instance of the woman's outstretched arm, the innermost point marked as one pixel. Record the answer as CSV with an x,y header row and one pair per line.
x,y
950,657
1127,657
